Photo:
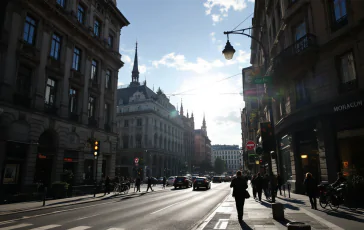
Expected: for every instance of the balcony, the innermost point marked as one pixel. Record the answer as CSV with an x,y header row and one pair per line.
x,y
21,100
74,117
303,45
293,8
50,109
29,51
92,122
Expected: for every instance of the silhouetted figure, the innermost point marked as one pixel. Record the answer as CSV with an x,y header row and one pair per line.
x,y
107,185
279,184
137,184
311,187
150,184
239,185
259,181
164,182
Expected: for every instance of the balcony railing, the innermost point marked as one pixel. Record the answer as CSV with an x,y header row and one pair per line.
x,y
92,122
305,43
22,100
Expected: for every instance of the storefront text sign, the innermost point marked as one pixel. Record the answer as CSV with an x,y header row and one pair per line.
x,y
347,106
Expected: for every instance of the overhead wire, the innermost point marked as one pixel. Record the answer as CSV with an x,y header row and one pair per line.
x,y
243,21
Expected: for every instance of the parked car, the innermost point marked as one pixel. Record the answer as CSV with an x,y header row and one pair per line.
x,y
216,179
154,180
182,181
160,180
201,182
170,180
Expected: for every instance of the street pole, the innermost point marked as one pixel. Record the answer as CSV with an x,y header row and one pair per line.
x,y
95,176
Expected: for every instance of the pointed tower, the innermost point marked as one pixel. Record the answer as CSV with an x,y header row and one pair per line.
x,y
135,72
188,115
203,123
181,110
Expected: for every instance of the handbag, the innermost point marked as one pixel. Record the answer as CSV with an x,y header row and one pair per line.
x,y
247,195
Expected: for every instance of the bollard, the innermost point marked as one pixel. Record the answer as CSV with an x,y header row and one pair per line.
x,y
95,190
298,226
44,196
278,211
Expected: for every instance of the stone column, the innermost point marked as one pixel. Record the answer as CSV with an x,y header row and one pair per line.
x,y
112,163
85,90
106,28
8,82
91,16
65,96
29,166
114,84
40,76
116,47
99,167
102,97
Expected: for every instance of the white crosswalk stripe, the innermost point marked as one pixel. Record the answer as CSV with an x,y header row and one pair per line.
x,y
16,226
80,228
46,227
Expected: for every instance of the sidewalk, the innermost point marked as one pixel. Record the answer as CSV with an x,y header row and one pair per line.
x,y
6,209
258,215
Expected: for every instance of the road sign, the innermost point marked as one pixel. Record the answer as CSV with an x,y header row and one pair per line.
x,y
136,160
263,80
250,145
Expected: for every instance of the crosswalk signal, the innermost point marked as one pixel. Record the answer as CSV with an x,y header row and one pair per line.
x,y
96,148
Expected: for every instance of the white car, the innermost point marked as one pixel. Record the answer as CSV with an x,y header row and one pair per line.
x,y
170,180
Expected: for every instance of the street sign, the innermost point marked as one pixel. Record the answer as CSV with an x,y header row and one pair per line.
x,y
136,160
263,80
250,145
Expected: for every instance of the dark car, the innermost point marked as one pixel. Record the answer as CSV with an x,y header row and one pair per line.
x,y
154,180
216,179
182,181
201,182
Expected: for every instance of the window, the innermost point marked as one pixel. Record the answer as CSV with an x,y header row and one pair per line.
x,y
55,47
76,64
94,70
81,14
97,28
107,113
108,79
126,123
91,107
50,92
125,142
300,31
139,122
73,101
138,141
110,41
29,30
61,3
301,93
347,70
339,8
23,80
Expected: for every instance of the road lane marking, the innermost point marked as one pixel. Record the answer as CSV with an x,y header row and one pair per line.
x,y
80,228
16,226
221,224
319,219
7,222
46,227
116,229
167,207
85,217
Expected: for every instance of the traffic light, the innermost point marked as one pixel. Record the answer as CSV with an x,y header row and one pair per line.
x,y
260,161
96,148
267,134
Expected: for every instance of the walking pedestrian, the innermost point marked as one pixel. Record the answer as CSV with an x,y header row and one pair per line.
x,y
164,182
279,184
239,185
150,184
107,185
311,187
259,185
253,184
137,184
266,186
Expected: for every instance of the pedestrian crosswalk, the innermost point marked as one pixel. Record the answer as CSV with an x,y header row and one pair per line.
x,y
29,226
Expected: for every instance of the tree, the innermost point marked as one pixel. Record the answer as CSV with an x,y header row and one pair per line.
x,y
219,165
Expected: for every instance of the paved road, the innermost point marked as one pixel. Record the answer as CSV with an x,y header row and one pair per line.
x,y
169,209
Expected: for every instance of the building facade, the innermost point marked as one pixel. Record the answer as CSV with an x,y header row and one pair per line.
x,y
231,154
189,138
315,50
150,129
202,158
57,91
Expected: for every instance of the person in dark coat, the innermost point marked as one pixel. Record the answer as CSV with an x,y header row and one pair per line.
x,y
259,181
279,184
149,184
239,185
252,182
107,185
137,184
164,182
311,187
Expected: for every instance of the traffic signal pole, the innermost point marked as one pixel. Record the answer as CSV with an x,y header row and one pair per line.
x,y
268,154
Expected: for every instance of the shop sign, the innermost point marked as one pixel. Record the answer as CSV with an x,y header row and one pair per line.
x,y
68,159
40,156
347,106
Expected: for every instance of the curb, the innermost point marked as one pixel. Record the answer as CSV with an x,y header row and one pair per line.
x,y
70,204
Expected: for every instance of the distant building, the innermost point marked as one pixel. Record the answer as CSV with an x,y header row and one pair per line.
x,y
150,129
189,138
231,154
202,156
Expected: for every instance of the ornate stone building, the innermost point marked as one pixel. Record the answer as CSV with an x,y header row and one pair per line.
x,y
202,158
58,87
189,138
150,129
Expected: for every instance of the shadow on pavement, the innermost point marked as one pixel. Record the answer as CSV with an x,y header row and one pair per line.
x,y
289,206
344,215
244,226
284,222
292,200
266,204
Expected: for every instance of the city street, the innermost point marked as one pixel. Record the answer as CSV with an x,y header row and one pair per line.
x,y
168,209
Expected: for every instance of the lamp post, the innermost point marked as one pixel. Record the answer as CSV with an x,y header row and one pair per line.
x,y
229,53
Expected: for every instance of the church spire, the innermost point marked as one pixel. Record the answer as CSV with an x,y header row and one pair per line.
x,y
203,122
135,72
181,110
187,114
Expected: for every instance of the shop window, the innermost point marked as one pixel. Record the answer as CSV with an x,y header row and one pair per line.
x,y
286,149
348,78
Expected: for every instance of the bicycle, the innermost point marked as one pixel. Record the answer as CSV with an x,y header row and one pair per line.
x,y
121,188
331,196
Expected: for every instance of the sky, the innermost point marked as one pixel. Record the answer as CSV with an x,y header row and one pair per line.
x,y
180,45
